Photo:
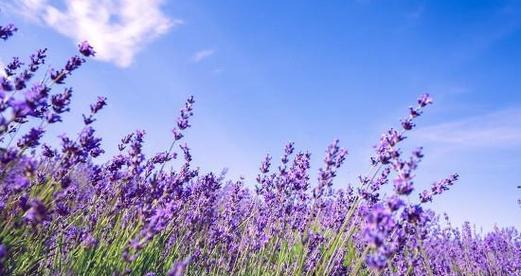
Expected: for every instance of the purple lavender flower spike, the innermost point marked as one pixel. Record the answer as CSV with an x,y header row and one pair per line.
x,y
37,213
3,252
13,66
59,76
94,108
74,63
179,267
378,232
89,241
183,119
7,31
5,84
86,49
60,102
37,59
335,157
424,100
100,103
438,188
31,139
3,255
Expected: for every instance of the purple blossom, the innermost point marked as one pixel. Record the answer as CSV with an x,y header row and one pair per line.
x,y
179,267
379,227
424,100
438,188
394,203
74,63
86,49
135,153
335,157
20,183
183,119
59,76
376,261
413,214
100,103
186,113
37,59
60,102
73,210
31,139
90,144
89,241
37,213
11,67
94,108
8,155
3,255
3,252
5,84
7,31
36,96
186,152
386,150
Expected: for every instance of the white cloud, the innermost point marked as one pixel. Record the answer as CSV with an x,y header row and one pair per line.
x,y
497,129
202,55
118,29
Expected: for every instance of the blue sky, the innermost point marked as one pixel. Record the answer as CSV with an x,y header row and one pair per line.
x,y
268,72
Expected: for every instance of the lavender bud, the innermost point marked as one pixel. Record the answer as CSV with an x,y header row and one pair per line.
x,y
7,31
86,49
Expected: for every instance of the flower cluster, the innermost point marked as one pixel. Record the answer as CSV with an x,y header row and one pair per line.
x,y
62,211
438,188
7,31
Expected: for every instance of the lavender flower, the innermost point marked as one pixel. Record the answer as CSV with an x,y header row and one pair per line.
x,y
60,212
183,120
89,241
86,49
37,213
36,96
37,59
7,31
334,158
100,103
94,108
3,254
13,66
60,102
179,267
378,228
59,76
31,139
424,100
90,145
438,188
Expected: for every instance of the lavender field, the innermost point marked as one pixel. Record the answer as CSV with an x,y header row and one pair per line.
x,y
64,212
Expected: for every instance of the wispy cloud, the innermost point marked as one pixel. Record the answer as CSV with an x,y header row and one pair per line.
x,y
497,129
202,55
118,29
